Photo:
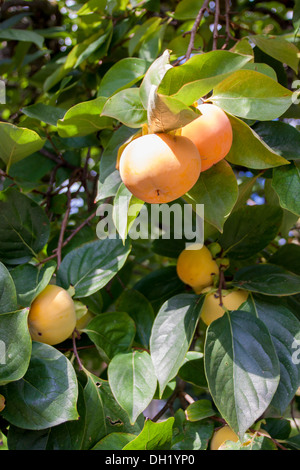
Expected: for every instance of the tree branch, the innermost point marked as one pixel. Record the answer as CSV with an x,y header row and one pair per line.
x,y
195,28
216,24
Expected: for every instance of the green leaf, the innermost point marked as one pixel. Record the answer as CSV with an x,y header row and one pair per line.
x,y
103,415
22,35
109,179
47,394
140,310
296,15
91,266
123,74
15,346
141,33
189,435
17,143
262,68
79,53
187,9
179,45
159,285
283,138
192,369
288,257
278,48
114,441
249,150
245,191
84,119
95,6
31,280
241,368
132,381
44,112
200,409
172,333
154,436
112,333
24,227
284,329
286,183
65,436
153,76
131,112
200,74
252,95
125,211
8,294
249,229
267,279
217,189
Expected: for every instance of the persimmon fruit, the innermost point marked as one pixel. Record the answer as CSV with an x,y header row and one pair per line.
x,y
221,435
159,168
231,300
52,316
225,433
196,267
211,133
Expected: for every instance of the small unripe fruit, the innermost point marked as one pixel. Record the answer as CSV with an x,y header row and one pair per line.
x,y
197,268
159,168
215,248
231,300
52,316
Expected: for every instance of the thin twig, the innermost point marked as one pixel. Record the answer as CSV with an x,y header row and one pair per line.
x,y
63,228
227,25
169,403
195,28
74,335
216,24
77,229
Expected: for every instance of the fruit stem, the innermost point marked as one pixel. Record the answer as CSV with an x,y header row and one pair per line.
x,y
75,335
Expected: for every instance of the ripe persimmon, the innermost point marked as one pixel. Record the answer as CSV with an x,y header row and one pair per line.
x,y
211,133
221,435
52,316
196,267
231,299
159,168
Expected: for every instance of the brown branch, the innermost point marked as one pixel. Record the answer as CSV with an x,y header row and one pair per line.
x,y
195,28
216,24
169,403
227,25
75,231
63,228
57,159
5,175
74,335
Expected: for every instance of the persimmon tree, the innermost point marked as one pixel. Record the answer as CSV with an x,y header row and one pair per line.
x,y
80,82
